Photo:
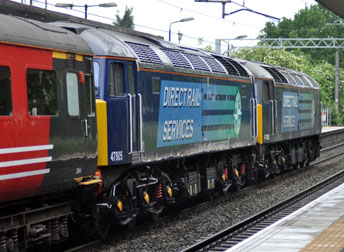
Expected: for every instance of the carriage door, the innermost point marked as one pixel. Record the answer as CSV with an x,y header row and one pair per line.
x,y
90,123
269,110
123,112
79,124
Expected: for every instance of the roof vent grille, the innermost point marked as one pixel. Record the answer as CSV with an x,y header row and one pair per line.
x,y
145,53
177,58
278,77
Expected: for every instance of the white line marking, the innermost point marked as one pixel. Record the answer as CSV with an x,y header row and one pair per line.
x,y
23,174
26,149
25,162
241,245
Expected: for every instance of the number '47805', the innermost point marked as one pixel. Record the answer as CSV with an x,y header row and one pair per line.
x,y
116,156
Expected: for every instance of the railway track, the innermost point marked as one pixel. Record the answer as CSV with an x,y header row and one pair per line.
x,y
143,226
233,235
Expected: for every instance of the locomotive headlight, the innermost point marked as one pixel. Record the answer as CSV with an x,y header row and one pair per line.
x,y
146,197
120,205
169,191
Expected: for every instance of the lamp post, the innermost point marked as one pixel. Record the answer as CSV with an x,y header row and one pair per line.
x,y
230,47
66,5
180,35
181,20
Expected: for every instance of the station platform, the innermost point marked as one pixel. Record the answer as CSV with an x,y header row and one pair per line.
x,y
331,128
316,227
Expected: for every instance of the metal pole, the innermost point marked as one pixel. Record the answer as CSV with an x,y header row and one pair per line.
x,y
86,11
336,90
169,32
218,46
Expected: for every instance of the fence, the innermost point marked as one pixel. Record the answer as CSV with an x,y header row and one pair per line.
x,y
325,117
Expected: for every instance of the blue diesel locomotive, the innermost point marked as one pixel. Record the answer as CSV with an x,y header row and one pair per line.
x,y
175,122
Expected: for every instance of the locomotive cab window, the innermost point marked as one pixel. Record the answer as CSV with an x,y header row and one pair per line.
x,y
116,84
5,92
156,85
41,92
96,77
72,94
268,92
243,92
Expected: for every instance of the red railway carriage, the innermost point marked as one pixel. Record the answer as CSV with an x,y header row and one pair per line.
x,y
47,121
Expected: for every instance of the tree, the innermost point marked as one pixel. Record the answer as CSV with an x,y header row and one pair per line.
x,y
207,48
128,19
311,22
314,22
322,71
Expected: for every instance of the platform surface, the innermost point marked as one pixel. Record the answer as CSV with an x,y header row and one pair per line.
x,y
318,226
331,128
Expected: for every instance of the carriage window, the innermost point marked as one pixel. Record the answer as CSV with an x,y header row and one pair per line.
x,y
41,92
96,76
156,85
116,80
72,94
131,78
5,92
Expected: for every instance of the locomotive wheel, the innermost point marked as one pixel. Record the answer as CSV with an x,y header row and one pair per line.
x,y
236,180
154,216
277,170
104,226
157,211
225,182
131,224
259,174
210,195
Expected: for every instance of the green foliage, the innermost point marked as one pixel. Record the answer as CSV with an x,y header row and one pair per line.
x,y
323,72
207,48
127,21
311,22
274,57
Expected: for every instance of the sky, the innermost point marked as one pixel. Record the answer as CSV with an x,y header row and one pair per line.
x,y
155,17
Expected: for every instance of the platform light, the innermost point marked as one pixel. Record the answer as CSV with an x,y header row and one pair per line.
x,y
103,5
178,21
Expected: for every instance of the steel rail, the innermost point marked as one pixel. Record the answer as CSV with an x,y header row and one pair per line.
x,y
262,219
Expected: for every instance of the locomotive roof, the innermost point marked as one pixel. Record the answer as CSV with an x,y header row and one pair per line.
x,y
280,75
154,52
21,31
